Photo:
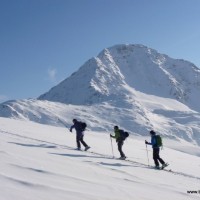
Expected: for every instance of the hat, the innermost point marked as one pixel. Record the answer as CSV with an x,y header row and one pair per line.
x,y
116,127
74,120
152,132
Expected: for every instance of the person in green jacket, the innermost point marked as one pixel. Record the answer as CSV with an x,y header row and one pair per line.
x,y
119,140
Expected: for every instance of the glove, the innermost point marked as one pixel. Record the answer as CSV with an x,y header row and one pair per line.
x,y
146,142
70,130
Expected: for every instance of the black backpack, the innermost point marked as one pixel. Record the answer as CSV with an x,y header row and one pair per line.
x,y
123,134
83,126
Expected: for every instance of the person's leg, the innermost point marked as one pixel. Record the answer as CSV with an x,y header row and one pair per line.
x,y
120,144
155,156
78,142
159,158
83,142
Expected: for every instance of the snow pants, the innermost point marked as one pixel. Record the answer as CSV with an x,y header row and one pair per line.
x,y
156,157
79,140
120,144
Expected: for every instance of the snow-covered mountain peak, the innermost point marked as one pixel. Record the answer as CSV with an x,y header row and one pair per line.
x,y
132,86
136,66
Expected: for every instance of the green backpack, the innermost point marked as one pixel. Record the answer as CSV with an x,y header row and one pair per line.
x,y
159,142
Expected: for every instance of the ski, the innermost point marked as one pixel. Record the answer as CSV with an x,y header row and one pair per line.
x,y
86,149
161,168
165,165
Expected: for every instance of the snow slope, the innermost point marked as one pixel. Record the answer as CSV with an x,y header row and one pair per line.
x,y
39,162
138,115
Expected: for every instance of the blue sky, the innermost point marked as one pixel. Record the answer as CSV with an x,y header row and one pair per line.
x,y
42,42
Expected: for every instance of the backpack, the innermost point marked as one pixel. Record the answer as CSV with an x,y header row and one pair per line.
x,y
123,134
83,126
158,140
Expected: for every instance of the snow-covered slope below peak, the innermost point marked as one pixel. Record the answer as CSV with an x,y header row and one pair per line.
x,y
137,114
40,162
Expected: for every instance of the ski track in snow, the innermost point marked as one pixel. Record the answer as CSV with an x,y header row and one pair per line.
x,y
40,162
100,155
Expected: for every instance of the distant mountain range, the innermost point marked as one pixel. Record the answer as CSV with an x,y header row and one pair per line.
x,y
132,86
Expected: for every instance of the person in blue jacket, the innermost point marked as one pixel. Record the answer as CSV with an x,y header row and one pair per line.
x,y
79,134
156,150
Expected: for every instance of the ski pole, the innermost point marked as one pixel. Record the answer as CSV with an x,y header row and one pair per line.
x,y
62,122
147,155
112,147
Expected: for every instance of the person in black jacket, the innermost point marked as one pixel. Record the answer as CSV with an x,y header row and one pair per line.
x,y
79,134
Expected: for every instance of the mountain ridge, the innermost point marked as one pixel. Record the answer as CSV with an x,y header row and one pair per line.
x,y
132,86
137,66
